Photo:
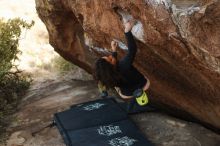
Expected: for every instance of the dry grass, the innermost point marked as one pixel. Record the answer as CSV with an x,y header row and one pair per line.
x,y
34,43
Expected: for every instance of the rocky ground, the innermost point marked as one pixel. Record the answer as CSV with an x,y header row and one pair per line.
x,y
48,96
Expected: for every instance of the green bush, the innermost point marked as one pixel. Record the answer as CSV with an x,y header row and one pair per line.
x,y
13,82
62,65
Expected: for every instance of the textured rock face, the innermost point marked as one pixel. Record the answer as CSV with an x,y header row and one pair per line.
x,y
179,45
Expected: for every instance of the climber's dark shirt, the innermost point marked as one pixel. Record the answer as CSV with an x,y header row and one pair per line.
x,y
133,78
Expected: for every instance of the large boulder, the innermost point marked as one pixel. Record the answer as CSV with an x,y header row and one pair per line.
x,y
178,46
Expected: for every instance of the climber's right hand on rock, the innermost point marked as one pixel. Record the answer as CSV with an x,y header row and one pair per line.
x,y
129,25
114,46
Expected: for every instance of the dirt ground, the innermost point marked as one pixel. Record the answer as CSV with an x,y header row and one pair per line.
x,y
49,96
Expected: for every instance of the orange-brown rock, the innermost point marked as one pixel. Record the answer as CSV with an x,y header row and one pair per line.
x,y
178,42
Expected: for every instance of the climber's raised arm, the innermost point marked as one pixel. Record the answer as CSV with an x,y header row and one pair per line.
x,y
128,60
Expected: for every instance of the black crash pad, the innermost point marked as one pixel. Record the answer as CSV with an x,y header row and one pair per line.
x,y
98,123
90,114
120,133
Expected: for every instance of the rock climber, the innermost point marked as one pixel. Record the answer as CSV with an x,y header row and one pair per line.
x,y
130,84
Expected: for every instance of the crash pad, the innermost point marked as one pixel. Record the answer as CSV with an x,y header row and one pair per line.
x,y
90,114
98,123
